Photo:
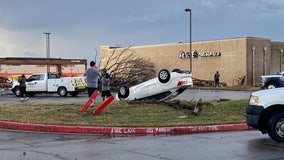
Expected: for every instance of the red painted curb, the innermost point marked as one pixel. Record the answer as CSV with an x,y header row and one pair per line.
x,y
123,130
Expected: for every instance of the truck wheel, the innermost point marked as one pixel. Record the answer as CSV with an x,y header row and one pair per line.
x,y
276,127
17,91
123,92
164,76
62,91
271,86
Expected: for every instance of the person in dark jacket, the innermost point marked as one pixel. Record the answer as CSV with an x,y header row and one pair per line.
x,y
22,81
216,78
105,85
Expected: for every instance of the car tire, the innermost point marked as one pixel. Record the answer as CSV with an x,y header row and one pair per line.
x,y
62,91
164,76
275,127
123,92
271,85
17,91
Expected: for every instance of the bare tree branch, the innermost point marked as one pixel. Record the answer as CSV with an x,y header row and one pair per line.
x,y
126,67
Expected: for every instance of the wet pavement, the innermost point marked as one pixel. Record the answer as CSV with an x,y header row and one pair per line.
x,y
245,145
214,146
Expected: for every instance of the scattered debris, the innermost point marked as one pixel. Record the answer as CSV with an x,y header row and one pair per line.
x,y
177,104
205,83
182,117
197,107
5,82
223,100
5,91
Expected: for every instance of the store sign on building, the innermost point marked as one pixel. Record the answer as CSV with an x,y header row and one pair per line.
x,y
195,54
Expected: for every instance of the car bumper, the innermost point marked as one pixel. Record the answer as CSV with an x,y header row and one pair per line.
x,y
253,115
80,89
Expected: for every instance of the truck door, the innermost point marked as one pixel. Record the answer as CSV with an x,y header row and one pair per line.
x,y
52,82
36,82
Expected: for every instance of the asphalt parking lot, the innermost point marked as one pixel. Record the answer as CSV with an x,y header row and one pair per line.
x,y
235,145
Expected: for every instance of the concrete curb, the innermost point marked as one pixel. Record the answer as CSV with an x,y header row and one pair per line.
x,y
123,130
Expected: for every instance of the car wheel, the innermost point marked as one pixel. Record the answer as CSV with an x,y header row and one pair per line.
x,y
123,92
276,127
164,76
271,86
62,91
17,91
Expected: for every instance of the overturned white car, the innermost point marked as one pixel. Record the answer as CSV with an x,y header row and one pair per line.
x,y
166,86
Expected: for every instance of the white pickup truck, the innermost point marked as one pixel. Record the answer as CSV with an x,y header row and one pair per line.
x,y
51,83
265,112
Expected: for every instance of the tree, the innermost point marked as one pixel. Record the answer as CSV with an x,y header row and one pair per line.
x,y
127,68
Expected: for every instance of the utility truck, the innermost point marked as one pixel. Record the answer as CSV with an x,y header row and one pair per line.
x,y
265,112
51,83
271,81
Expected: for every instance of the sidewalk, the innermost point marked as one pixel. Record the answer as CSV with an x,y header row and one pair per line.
x,y
123,130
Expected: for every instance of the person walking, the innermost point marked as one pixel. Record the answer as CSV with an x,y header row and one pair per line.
x,y
92,75
216,79
22,81
105,85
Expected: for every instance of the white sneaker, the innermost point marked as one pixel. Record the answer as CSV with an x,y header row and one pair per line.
x,y
27,98
22,99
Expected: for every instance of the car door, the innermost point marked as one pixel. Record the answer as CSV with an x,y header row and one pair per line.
x,y
36,83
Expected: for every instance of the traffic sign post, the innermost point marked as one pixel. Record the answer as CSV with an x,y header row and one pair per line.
x,y
90,101
104,105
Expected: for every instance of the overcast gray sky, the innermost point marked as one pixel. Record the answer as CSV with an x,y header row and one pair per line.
x,y
79,27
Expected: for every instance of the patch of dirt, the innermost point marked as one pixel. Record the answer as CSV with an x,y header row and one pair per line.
x,y
177,104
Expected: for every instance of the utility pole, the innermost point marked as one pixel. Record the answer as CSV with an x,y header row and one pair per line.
x,y
47,48
190,42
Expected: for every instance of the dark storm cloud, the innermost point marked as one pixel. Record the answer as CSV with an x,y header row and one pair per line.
x,y
79,27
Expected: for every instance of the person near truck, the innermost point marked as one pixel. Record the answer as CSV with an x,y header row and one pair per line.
x,y
22,81
92,74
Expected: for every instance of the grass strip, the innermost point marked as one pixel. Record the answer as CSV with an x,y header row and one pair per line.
x,y
122,114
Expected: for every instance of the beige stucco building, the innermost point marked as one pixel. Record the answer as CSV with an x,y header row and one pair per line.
x,y
233,58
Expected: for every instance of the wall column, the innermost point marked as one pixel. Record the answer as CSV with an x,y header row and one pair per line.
x,y
264,60
253,64
281,56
